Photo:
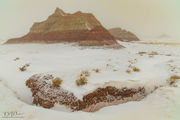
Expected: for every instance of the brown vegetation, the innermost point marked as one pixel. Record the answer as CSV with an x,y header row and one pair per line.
x,y
151,56
153,53
81,81
85,73
128,71
24,68
142,53
96,70
135,69
16,59
172,80
57,82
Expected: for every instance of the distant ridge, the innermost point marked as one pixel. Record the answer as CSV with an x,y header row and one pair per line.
x,y
65,27
123,35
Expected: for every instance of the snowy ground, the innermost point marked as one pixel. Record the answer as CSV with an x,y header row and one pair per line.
x,y
67,62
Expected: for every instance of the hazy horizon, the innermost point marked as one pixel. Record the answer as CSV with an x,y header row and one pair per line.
x,y
147,19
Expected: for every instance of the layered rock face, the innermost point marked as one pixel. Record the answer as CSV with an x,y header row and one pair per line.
x,y
47,95
64,27
123,35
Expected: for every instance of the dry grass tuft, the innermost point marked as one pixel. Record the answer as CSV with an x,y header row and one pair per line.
x,y
172,80
151,56
16,59
97,70
135,69
57,82
81,81
128,71
142,53
175,77
153,53
85,73
24,68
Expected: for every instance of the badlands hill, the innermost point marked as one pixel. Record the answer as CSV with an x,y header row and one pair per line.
x,y
64,27
123,35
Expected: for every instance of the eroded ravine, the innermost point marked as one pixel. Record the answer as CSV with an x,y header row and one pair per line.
x,y
47,95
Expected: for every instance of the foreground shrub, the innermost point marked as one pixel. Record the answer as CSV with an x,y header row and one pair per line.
x,y
24,68
57,82
85,73
128,71
153,53
142,53
96,70
135,69
16,59
81,81
151,56
173,79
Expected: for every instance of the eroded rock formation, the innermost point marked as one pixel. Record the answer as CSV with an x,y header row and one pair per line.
x,y
64,27
123,35
47,95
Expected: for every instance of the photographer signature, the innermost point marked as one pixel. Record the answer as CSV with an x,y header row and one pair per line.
x,y
11,114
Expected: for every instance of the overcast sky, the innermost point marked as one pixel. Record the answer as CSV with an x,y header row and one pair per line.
x,y
146,18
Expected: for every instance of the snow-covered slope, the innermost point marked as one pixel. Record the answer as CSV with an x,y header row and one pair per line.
x,y
68,61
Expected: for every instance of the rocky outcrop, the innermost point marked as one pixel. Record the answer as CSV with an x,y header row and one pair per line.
x,y
64,27
47,95
123,35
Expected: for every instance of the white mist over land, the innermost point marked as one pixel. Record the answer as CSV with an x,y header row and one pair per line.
x,y
147,19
